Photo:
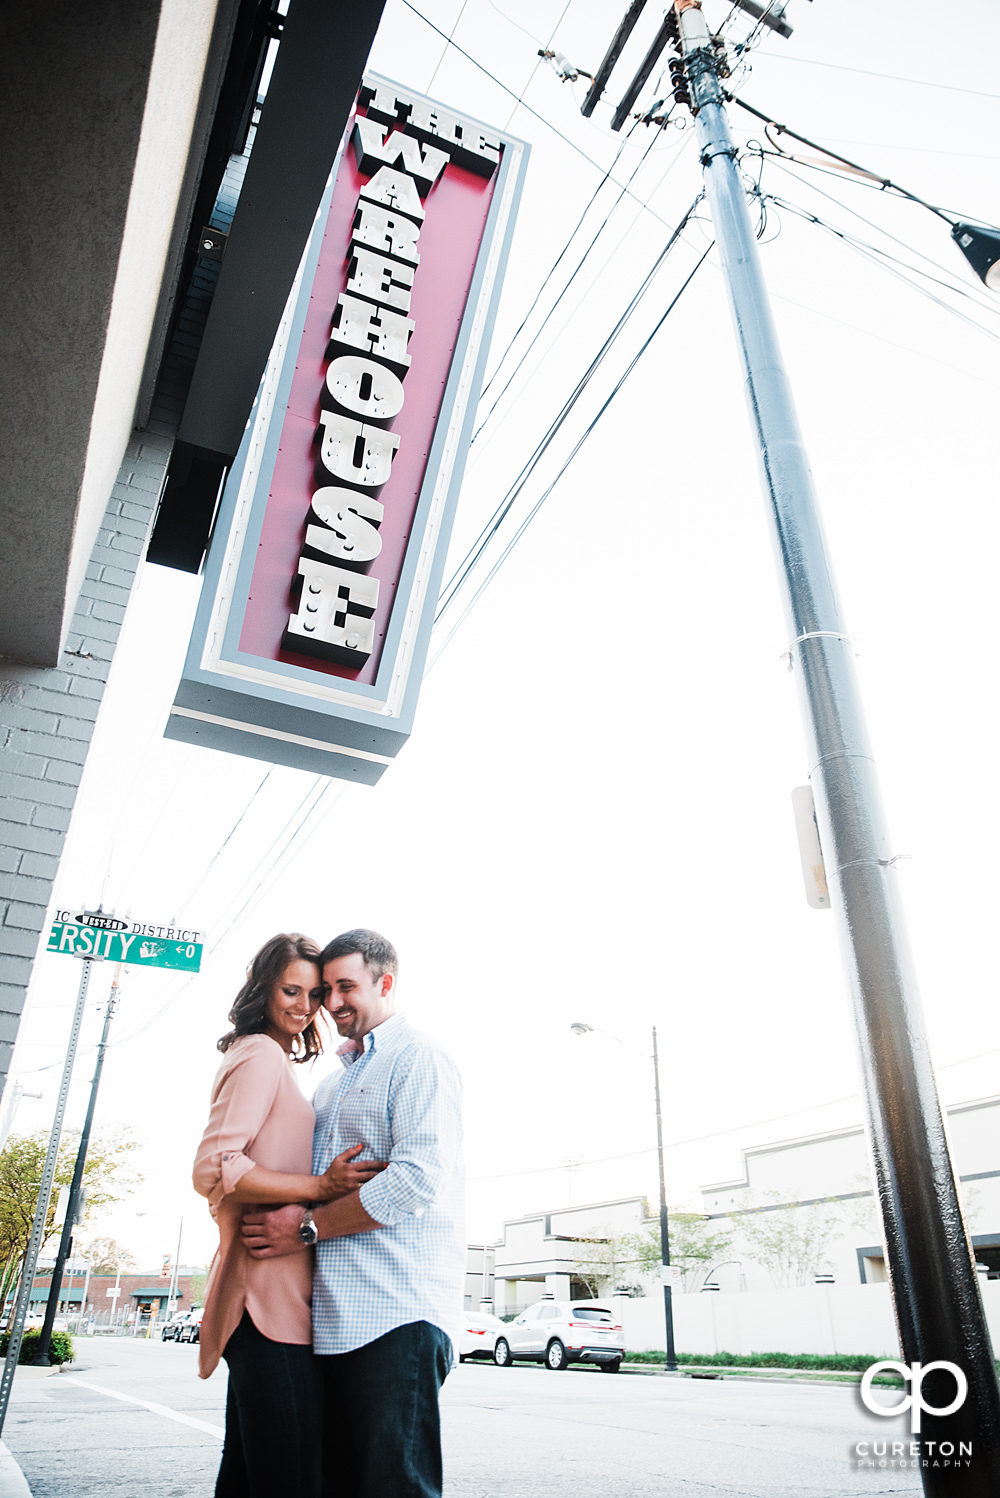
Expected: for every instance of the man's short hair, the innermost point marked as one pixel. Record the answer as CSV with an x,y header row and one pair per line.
x,y
378,952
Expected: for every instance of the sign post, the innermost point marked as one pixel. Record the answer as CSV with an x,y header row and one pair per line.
x,y
42,1209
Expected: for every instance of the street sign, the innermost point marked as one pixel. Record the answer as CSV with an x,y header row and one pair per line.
x,y
137,946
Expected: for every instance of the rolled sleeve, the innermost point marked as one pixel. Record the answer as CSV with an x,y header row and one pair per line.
x,y
426,1107
242,1099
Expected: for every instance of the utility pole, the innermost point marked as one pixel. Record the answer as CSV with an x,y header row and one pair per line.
x,y
41,1358
668,1294
172,1296
42,1209
938,1307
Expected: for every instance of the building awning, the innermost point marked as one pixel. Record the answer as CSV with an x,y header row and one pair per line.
x,y
158,1290
41,1292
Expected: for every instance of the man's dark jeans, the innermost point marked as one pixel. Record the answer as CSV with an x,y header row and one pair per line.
x,y
273,1418
381,1426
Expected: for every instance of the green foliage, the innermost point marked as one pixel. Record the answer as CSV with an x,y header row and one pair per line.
x,y
818,1362
109,1176
609,1258
106,1255
197,1287
788,1240
60,1347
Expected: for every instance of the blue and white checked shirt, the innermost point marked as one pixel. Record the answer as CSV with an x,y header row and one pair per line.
x,y
401,1099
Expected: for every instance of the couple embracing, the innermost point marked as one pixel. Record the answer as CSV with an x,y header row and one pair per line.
x,y
338,1281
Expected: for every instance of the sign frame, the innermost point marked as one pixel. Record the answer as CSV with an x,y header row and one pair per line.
x,y
284,713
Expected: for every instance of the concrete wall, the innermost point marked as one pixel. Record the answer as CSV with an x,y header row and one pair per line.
x,y
819,1319
99,106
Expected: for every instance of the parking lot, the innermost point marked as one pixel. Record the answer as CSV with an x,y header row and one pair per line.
x,y
132,1417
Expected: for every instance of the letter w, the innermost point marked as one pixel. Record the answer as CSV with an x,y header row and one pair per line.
x,y
372,150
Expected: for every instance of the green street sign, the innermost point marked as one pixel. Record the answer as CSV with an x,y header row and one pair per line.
x,y
136,947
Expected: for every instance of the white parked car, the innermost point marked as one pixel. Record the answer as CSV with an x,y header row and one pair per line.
x,y
190,1330
557,1333
478,1335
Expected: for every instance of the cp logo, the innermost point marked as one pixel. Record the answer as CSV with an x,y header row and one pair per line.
x,y
914,1375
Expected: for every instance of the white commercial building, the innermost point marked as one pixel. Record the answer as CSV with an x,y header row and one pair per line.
x,y
804,1206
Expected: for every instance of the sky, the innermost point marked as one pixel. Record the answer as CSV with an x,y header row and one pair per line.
x,y
592,820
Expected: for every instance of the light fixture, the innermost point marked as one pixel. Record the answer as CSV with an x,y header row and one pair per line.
x,y
981,247
579,1028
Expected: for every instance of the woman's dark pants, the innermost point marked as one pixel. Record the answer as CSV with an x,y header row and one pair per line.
x,y
274,1414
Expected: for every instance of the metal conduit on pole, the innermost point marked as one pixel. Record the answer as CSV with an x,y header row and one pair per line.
x,y
42,1209
668,1294
937,1302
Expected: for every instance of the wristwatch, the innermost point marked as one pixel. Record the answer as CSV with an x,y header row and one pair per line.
x,y
308,1231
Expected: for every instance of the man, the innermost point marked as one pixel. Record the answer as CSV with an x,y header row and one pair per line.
x,y
390,1260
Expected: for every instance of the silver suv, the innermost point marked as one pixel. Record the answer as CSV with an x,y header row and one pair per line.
x,y
558,1332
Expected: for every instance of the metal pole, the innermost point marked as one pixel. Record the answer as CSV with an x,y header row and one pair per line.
x,y
172,1296
41,1358
668,1302
42,1209
934,1284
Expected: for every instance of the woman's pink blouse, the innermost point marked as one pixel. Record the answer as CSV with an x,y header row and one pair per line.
x,y
258,1117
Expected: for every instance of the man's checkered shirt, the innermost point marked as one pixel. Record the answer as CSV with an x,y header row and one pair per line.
x,y
401,1099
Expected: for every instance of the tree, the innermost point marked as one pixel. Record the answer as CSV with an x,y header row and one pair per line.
x,y
109,1176
693,1248
606,1260
106,1256
788,1240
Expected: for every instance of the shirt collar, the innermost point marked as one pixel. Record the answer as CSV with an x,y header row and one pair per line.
x,y
389,1030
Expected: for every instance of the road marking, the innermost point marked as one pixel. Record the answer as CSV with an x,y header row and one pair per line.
x,y
146,1404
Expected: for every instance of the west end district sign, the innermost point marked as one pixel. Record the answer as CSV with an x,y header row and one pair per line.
x,y
141,944
325,567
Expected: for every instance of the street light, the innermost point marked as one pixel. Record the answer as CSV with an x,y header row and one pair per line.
x,y
578,1027
981,247
708,1283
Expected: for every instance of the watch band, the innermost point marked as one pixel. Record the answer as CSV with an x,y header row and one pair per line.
x,y
308,1231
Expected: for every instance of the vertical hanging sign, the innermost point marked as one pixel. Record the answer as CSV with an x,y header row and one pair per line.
x,y
325,566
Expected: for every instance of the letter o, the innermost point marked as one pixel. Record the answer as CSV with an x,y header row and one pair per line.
x,y
360,387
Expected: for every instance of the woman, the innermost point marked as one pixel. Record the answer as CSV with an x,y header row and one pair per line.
x,y
257,1149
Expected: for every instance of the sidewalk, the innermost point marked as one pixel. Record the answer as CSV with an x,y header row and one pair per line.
x,y
12,1482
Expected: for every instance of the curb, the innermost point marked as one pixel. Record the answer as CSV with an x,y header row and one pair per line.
x,y
12,1481
757,1375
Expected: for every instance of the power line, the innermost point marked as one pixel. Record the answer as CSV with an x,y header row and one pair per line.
x,y
839,67
553,268
579,444
889,263
579,266
970,294
540,117
496,520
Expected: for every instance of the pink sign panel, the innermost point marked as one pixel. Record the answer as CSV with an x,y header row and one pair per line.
x,y
456,209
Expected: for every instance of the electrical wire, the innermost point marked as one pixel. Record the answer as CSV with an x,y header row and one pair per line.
x,y
985,303
576,449
222,846
840,67
552,269
496,520
579,266
889,263
540,117
444,49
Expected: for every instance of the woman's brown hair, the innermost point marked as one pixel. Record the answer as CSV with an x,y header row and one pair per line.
x,y
248,1015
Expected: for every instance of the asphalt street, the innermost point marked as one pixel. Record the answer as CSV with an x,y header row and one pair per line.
x,y
132,1420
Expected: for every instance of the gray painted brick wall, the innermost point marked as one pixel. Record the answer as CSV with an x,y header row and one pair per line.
x,y
47,718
